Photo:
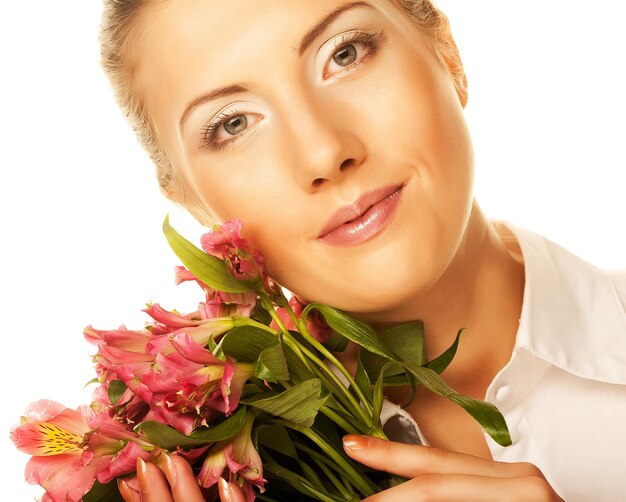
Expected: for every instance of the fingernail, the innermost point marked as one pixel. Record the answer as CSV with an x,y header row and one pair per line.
x,y
226,493
353,442
125,490
169,468
142,475
142,470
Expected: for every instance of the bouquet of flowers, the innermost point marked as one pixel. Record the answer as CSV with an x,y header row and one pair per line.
x,y
247,388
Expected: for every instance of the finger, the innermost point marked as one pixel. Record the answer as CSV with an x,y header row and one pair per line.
x,y
152,483
128,493
412,460
461,487
181,479
230,492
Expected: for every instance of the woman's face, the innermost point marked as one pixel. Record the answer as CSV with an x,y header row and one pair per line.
x,y
283,113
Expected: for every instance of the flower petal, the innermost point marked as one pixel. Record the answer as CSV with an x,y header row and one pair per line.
x,y
64,477
124,462
168,318
213,467
193,351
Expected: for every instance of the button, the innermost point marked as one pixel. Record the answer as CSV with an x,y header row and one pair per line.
x,y
503,393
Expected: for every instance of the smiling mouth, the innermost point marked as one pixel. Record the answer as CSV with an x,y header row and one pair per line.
x,y
364,218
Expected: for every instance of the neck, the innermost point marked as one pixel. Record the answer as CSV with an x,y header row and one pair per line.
x,y
482,291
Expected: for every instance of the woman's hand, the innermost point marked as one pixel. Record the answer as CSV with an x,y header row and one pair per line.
x,y
174,483
435,474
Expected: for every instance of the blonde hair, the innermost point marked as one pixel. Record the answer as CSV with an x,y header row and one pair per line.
x,y
120,20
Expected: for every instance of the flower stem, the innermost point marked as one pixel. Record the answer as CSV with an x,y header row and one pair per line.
x,y
341,422
343,390
322,463
330,356
302,351
362,483
285,332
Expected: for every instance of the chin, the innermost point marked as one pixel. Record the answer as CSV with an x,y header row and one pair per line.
x,y
384,294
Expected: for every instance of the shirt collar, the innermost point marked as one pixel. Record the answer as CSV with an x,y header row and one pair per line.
x,y
572,315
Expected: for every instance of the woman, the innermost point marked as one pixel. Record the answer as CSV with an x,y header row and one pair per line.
x,y
334,130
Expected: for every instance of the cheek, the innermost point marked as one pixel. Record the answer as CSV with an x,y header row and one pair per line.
x,y
241,187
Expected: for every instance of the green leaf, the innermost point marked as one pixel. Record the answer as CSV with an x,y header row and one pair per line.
x,y
298,371
272,365
298,404
353,329
169,438
378,397
486,414
261,315
246,343
439,364
362,379
354,422
328,430
407,341
209,269
92,381
103,493
252,344
115,390
327,469
224,430
336,343
276,437
300,483
312,476
397,380
373,364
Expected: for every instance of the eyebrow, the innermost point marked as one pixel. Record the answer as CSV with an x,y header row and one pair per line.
x,y
319,28
306,41
217,93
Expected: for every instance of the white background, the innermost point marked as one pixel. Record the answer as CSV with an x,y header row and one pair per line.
x,y
81,211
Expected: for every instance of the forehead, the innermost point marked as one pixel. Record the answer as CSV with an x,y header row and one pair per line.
x,y
188,45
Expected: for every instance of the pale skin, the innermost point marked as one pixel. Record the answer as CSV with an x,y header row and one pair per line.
x,y
308,135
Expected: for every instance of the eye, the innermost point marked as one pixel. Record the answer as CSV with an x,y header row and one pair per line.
x,y
346,55
227,127
236,124
350,50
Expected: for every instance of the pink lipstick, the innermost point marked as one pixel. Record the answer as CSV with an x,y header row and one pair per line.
x,y
363,219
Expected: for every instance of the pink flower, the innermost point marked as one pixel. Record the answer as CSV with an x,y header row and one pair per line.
x,y
127,355
120,348
205,331
184,275
190,385
131,408
220,304
172,320
315,323
225,242
71,449
236,459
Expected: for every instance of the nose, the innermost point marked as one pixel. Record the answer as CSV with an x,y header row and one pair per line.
x,y
323,143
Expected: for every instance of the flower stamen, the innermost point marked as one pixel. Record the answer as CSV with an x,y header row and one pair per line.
x,y
55,441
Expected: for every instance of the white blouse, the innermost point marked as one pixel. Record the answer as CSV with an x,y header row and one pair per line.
x,y
563,392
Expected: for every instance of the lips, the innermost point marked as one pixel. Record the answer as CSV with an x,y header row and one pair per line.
x,y
363,218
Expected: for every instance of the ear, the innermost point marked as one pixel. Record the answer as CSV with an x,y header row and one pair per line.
x,y
449,53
